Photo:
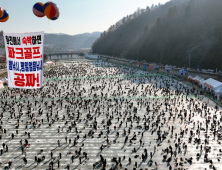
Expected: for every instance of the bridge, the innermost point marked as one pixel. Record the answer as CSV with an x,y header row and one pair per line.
x,y
70,55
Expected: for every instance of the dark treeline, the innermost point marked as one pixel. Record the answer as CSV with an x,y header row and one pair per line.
x,y
168,34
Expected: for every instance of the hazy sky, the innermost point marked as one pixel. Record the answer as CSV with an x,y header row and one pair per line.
x,y
76,16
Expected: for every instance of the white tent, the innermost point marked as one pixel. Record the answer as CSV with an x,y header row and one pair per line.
x,y
212,84
195,78
50,62
5,79
218,90
198,79
201,81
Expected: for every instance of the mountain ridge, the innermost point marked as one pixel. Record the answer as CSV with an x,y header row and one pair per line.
x,y
64,40
169,34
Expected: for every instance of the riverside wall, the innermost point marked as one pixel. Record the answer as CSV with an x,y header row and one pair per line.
x,y
217,77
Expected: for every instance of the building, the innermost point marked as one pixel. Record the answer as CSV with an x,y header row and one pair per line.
x,y
2,59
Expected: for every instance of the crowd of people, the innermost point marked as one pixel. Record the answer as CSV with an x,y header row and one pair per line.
x,y
95,115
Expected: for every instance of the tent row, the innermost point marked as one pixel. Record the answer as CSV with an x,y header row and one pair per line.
x,y
49,63
196,80
209,85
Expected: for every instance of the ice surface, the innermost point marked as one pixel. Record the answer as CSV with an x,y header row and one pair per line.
x,y
79,77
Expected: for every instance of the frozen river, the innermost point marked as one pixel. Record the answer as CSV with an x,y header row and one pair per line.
x,y
116,112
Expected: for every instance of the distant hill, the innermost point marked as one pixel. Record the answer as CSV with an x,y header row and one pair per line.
x,y
84,40
88,43
62,40
169,33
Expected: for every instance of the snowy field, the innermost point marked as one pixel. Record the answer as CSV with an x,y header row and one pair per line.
x,y
87,101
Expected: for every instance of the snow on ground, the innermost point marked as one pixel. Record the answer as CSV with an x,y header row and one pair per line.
x,y
116,89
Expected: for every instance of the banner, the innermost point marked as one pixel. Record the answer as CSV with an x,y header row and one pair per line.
x,y
156,67
209,86
146,66
168,69
24,56
183,72
151,66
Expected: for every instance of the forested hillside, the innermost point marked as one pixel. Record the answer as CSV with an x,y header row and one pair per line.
x,y
174,31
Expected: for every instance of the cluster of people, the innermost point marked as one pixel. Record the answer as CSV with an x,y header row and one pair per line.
x,y
95,115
